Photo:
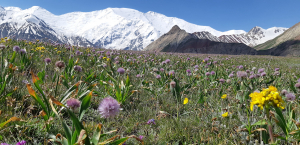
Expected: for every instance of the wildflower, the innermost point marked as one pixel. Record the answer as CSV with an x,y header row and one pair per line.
x,y
188,71
225,114
263,74
60,64
196,66
23,51
269,96
78,52
16,48
58,52
297,85
230,75
73,103
251,77
2,46
185,101
141,137
207,73
283,92
172,73
212,72
167,61
290,97
78,68
206,59
138,76
155,69
173,84
241,74
121,70
228,81
276,73
151,121
240,67
104,65
109,107
224,96
23,142
158,76
162,70
4,144
222,81
276,69
47,60
107,53
261,70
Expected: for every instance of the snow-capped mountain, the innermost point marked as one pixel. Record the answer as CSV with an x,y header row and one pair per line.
x,y
119,28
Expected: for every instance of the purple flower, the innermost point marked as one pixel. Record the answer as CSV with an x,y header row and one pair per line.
x,y
4,144
23,142
141,137
261,70
276,73
107,53
60,64
171,73
207,73
188,71
2,46
241,74
73,103
121,70
230,75
188,58
248,71
25,82
196,66
138,76
297,85
173,84
109,107
212,72
16,48
104,65
47,60
276,69
23,51
263,74
222,81
78,52
158,76
290,97
78,68
206,59
251,77
151,121
298,80
88,54
240,67
167,61
283,92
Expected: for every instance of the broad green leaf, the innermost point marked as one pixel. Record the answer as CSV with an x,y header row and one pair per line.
x,y
85,103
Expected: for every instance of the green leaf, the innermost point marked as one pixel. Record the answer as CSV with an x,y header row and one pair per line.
x,y
119,141
97,135
68,132
281,121
260,122
13,57
85,103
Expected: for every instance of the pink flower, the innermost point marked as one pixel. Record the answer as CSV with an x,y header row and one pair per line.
x,y
109,107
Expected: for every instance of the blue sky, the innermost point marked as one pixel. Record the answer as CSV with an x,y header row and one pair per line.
x,y
221,15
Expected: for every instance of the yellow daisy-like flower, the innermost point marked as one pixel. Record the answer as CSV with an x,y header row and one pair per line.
x,y
225,114
58,52
224,96
269,96
104,58
185,101
107,59
55,48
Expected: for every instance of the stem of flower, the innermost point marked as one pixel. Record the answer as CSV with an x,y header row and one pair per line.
x,y
269,124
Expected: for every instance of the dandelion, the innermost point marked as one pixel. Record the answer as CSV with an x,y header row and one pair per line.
x,y
73,103
224,96
185,101
109,107
121,70
225,115
151,121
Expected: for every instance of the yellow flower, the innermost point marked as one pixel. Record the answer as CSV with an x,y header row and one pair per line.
x,y
224,96
107,59
58,52
225,114
55,48
5,37
186,100
269,96
104,57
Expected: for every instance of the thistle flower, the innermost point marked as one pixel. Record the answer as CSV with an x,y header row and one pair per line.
x,y
155,69
141,137
4,144
222,81
73,103
206,59
16,48
212,72
240,67
228,81
138,76
263,74
109,107
188,71
23,142
171,73
251,77
207,73
167,61
173,84
158,76
297,85
283,92
290,97
151,121
78,52
23,51
276,73
2,46
261,70
241,74
78,68
230,75
121,70
276,69
196,66
47,60
60,64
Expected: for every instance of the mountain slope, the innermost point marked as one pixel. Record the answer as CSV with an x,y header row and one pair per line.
x,y
121,28
178,40
291,34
